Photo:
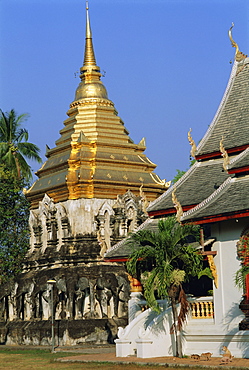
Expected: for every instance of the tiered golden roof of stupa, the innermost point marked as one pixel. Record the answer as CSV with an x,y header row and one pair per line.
x,y
94,157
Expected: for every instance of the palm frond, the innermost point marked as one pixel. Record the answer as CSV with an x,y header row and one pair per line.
x,y
142,253
239,278
150,286
206,272
184,308
22,135
16,147
30,151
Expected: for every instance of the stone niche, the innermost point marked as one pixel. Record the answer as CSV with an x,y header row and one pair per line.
x,y
90,296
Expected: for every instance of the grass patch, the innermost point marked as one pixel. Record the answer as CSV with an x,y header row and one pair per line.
x,y
37,359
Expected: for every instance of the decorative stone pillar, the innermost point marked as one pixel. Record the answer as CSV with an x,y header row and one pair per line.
x,y
38,235
136,298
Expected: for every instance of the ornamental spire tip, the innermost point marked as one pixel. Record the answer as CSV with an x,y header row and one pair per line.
x,y
238,54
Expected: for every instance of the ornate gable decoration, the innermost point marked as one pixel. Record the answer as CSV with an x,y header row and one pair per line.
x,y
239,56
177,205
224,154
192,143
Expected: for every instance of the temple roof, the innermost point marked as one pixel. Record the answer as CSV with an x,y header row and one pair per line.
x,y
227,136
240,163
232,117
229,201
123,249
94,156
194,186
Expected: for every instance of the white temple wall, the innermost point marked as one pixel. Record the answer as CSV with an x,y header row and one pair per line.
x,y
82,214
53,224
227,296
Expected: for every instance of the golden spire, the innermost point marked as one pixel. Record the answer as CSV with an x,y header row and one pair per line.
x,y
90,85
238,54
89,57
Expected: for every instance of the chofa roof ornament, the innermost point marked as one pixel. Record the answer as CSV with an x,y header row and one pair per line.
x,y
177,205
224,154
192,143
238,54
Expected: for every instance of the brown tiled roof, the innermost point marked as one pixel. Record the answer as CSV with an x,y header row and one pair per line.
x,y
232,117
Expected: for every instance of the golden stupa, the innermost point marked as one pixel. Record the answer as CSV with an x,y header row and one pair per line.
x,y
94,157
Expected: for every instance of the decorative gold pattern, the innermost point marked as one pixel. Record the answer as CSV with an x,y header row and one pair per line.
x,y
144,199
192,143
142,142
213,269
135,285
177,205
92,101
224,154
238,54
159,181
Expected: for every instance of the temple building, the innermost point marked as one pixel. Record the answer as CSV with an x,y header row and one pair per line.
x,y
214,194
92,190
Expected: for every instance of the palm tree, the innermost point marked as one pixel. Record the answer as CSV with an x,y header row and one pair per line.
x,y
14,145
164,260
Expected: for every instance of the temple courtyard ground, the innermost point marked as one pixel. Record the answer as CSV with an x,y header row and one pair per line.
x,y
99,357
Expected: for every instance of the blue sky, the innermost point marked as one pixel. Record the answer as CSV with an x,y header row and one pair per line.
x,y
166,63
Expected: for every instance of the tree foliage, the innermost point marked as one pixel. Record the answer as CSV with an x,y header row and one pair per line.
x,y
14,145
14,229
180,173
164,259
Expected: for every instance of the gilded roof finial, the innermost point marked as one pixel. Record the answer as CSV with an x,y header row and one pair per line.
x,y
224,155
192,143
90,86
238,54
89,57
177,205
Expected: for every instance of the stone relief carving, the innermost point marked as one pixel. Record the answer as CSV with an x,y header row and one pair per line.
x,y
77,297
116,222
105,297
104,232
49,225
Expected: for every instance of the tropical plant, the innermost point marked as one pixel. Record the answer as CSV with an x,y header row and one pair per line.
x,y
14,145
164,259
243,256
180,173
14,227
